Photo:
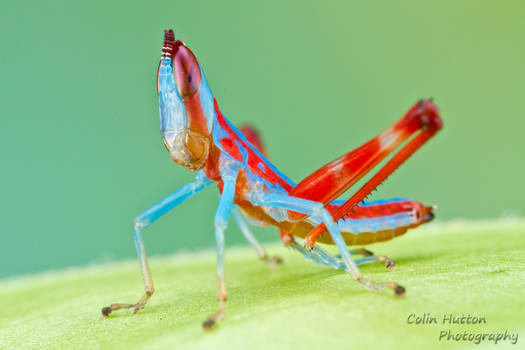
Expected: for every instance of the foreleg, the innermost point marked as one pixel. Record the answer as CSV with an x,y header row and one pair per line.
x,y
229,172
144,220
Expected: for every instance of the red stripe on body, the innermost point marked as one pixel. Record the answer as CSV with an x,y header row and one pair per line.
x,y
230,145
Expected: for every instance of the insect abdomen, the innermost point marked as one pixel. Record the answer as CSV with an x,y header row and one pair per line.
x,y
380,221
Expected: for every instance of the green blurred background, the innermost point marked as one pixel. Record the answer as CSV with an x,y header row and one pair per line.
x,y
80,147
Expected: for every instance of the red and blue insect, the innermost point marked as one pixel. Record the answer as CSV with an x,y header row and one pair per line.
x,y
198,137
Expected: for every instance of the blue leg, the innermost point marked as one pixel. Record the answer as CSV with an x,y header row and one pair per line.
x,y
321,257
317,255
261,253
229,172
144,220
390,264
369,257
316,209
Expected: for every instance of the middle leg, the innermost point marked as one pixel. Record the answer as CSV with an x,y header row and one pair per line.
x,y
361,251
272,261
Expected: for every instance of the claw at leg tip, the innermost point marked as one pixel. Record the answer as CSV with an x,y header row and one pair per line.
x,y
274,261
308,244
391,265
400,291
208,324
106,311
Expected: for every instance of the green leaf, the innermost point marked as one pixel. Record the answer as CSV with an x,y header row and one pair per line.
x,y
462,268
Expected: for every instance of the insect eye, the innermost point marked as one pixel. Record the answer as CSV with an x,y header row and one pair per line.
x,y
187,72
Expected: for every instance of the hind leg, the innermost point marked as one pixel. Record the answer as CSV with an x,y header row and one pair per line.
x,y
418,125
288,203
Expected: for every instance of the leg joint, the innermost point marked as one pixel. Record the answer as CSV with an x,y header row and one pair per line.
x,y
220,224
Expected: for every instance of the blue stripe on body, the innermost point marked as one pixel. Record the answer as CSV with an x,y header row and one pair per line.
x,y
376,202
382,223
207,101
256,151
244,154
